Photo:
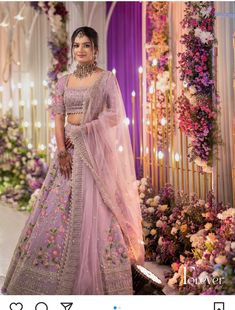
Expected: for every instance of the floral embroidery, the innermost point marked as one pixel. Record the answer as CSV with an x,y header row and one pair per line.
x,y
115,251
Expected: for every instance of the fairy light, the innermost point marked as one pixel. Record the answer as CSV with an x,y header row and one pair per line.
x,y
126,121
19,17
30,146
140,70
177,157
114,71
160,155
42,147
163,121
154,62
45,83
133,93
25,124
151,89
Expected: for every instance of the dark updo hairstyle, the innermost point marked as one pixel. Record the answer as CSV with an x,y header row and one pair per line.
x,y
89,32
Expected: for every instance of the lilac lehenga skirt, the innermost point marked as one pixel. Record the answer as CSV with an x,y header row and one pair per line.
x,y
69,248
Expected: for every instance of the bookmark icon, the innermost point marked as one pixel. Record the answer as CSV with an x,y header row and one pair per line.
x,y
66,305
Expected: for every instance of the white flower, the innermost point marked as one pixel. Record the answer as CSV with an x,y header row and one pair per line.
x,y
227,213
206,11
204,36
159,224
233,245
151,210
157,198
142,188
148,201
174,230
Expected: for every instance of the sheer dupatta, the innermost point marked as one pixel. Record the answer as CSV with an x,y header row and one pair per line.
x,y
103,143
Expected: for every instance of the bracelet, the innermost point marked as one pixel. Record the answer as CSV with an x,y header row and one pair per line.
x,y
62,154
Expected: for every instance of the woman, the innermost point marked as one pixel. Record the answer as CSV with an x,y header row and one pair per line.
x,y
85,229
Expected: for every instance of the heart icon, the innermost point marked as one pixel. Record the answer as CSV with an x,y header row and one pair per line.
x,y
16,306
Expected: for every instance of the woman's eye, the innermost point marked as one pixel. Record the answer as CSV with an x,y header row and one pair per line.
x,y
75,46
87,45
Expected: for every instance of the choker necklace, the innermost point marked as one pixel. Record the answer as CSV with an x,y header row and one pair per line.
x,y
82,71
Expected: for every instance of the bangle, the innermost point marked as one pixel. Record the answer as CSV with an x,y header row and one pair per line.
x,y
62,154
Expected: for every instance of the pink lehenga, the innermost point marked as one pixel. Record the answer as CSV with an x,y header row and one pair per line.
x,y
84,233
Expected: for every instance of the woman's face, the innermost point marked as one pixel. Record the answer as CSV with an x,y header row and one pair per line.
x,y
83,50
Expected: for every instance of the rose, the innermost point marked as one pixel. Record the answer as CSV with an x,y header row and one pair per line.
x,y
163,208
221,259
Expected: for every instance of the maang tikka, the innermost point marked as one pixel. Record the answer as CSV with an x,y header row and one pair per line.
x,y
83,70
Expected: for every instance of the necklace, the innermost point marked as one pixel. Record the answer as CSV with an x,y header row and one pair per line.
x,y
82,71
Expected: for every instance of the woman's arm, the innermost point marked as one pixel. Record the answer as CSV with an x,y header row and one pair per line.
x,y
59,132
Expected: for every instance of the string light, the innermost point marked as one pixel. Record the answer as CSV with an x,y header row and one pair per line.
x,y
114,71
154,62
160,155
133,93
163,121
120,148
177,157
140,70
126,121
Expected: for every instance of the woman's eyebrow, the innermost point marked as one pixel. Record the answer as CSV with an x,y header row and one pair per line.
x,y
82,43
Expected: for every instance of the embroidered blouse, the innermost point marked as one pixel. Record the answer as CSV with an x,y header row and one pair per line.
x,y
71,100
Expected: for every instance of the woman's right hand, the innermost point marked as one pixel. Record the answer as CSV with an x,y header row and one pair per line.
x,y
65,164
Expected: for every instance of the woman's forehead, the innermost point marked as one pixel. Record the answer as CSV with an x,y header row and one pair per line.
x,y
83,39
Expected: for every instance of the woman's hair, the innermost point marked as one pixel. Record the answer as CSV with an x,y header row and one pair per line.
x,y
88,32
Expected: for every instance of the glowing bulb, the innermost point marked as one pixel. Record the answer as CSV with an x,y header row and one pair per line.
x,y
52,124
160,155
114,71
42,147
18,63
126,121
133,93
44,83
148,122
177,157
147,150
140,70
120,148
38,124
154,62
30,146
163,121
25,124
151,89
35,102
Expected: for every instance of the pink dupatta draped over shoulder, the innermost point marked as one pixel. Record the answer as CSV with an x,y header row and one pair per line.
x,y
103,143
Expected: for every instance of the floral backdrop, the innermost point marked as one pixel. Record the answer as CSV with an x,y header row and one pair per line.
x,y
198,105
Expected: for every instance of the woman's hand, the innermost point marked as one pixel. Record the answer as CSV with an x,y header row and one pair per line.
x,y
65,163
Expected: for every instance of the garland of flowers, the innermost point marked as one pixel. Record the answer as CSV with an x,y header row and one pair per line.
x,y
22,171
57,15
197,106
158,49
185,231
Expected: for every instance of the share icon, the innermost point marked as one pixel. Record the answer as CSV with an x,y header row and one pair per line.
x,y
66,305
